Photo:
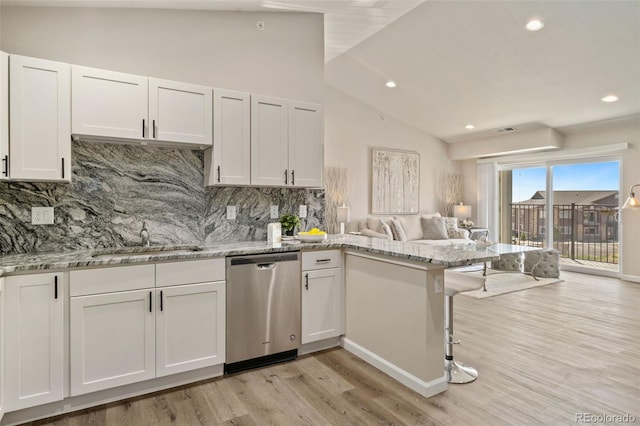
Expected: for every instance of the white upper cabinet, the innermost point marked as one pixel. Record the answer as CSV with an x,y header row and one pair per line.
x,y
269,141
229,162
306,146
180,112
39,126
109,104
286,142
4,115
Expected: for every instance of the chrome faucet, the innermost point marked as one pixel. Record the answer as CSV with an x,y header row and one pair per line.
x,y
144,234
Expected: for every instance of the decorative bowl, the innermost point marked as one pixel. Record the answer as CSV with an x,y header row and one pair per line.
x,y
311,238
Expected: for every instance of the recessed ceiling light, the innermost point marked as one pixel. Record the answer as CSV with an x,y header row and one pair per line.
x,y
469,126
534,25
609,98
391,83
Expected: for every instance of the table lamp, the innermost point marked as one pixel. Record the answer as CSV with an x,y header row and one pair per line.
x,y
342,217
462,211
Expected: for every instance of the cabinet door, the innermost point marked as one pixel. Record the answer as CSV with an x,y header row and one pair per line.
x,y
306,147
190,330
33,340
112,340
230,159
1,347
108,104
269,141
4,115
180,112
39,130
321,304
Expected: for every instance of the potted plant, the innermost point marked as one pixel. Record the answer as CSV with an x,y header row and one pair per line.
x,y
289,222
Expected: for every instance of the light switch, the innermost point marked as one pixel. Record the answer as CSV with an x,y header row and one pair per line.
x,y
231,212
274,212
303,211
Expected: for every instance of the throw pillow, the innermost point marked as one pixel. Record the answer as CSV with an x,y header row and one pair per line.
x,y
374,234
397,230
411,226
433,228
428,215
451,224
386,228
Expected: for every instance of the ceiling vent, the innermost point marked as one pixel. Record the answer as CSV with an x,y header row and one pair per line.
x,y
506,129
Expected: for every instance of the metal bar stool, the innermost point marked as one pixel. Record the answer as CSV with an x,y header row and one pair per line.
x,y
455,282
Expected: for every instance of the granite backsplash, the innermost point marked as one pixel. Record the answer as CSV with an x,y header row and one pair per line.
x,y
116,187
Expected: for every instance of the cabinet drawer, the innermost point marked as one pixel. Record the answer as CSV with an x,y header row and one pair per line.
x,y
108,280
189,272
321,259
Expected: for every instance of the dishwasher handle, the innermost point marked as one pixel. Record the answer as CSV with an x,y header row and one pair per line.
x,y
265,266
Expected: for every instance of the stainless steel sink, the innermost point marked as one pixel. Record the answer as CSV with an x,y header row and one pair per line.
x,y
145,251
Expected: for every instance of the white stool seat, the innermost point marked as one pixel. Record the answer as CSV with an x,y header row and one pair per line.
x,y
455,282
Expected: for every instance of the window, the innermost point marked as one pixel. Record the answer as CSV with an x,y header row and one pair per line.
x,y
541,214
590,217
565,230
542,230
565,214
590,230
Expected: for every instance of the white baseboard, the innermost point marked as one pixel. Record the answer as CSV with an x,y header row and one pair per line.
x,y
632,278
425,389
321,345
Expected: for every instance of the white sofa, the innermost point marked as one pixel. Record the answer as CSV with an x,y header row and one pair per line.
x,y
417,228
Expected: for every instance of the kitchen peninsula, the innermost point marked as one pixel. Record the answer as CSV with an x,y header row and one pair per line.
x,y
391,307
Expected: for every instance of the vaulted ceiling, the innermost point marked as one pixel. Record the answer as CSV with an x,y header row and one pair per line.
x,y
459,63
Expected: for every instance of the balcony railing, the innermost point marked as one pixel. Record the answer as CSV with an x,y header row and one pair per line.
x,y
580,232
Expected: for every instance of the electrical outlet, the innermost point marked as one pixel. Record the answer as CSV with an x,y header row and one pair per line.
x,y
42,215
274,212
231,212
303,211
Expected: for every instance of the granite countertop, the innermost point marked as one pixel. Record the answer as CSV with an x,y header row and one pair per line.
x,y
446,255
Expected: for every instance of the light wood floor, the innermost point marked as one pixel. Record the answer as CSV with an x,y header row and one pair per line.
x,y
543,354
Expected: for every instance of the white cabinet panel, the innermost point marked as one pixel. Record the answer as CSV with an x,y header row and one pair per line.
x,y
190,327
229,162
269,141
112,340
1,347
33,340
39,130
306,144
4,115
321,304
83,282
109,104
190,272
180,112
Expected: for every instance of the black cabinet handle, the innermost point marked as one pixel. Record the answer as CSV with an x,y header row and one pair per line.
x,y
306,285
286,176
55,287
218,174
6,166
161,303
143,128
154,128
150,301
293,177
62,167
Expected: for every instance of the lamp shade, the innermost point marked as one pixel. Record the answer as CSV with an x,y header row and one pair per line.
x,y
632,202
462,211
343,214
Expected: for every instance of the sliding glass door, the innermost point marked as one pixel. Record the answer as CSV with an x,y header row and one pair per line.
x,y
571,207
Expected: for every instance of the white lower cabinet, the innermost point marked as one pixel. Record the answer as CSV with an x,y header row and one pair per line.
x,y
167,320
1,347
112,340
190,327
322,292
33,333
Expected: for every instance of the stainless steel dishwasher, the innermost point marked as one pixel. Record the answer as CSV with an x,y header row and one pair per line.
x,y
263,310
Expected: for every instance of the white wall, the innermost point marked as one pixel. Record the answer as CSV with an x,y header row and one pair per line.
x,y
353,128
219,49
